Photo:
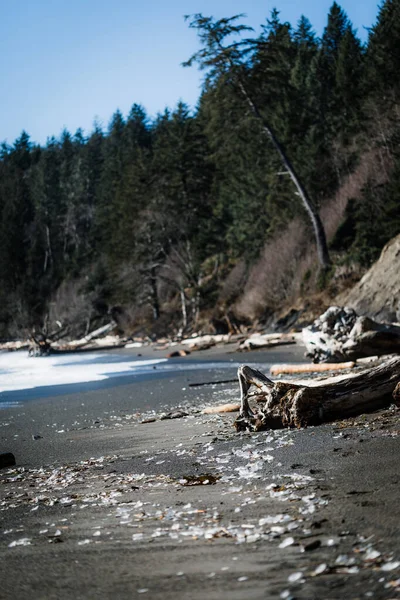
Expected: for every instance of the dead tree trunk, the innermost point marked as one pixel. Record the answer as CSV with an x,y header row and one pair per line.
x,y
40,345
155,303
287,404
183,308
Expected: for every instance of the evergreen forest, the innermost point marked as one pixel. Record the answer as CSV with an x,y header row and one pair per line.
x,y
194,217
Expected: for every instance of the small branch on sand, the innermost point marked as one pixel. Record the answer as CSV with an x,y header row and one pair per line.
x,y
203,383
287,404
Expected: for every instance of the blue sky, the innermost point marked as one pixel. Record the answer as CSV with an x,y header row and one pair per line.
x,y
68,62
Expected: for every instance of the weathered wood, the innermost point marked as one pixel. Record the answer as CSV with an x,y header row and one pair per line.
x,y
42,345
310,368
223,408
15,345
92,335
339,334
267,340
287,404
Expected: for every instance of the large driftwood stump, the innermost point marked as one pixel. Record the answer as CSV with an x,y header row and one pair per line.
x,y
340,334
287,404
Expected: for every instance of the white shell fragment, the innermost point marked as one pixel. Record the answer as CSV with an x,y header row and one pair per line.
x,y
287,542
390,566
296,577
320,569
20,542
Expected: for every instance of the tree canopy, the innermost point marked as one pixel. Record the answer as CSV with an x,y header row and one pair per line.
x,y
154,215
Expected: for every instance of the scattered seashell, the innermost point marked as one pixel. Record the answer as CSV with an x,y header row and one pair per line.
x,y
295,577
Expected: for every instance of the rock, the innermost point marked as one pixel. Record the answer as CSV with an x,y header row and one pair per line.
x,y
178,353
7,459
178,414
310,546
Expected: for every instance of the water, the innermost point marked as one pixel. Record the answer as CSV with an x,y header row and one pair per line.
x,y
23,377
18,371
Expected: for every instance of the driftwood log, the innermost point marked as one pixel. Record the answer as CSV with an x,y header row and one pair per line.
x,y
43,345
312,368
339,334
267,340
290,404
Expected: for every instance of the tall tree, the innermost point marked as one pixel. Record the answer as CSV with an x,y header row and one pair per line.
x,y
383,54
229,61
348,82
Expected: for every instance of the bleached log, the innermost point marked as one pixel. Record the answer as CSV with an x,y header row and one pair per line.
x,y
42,346
369,337
223,408
200,340
267,340
310,368
339,334
15,345
93,334
287,404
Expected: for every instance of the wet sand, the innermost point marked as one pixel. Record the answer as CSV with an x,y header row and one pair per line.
x,y
101,505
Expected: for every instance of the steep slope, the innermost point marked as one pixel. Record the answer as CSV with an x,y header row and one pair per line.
x,y
377,294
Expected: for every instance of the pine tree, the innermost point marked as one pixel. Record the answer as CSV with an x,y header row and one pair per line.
x,y
107,222
348,83
228,62
93,157
383,54
16,210
326,63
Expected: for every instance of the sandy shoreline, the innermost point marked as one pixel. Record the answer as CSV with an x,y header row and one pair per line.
x,y
101,506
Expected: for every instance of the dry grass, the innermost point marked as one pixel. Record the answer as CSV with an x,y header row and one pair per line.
x,y
270,282
233,284
71,306
287,269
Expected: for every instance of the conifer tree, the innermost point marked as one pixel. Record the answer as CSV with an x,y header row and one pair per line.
x,y
348,83
107,221
228,61
383,54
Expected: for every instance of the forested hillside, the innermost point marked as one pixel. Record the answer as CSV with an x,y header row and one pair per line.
x,y
194,215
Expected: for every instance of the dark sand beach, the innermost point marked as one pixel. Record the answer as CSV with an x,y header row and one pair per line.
x,y
101,505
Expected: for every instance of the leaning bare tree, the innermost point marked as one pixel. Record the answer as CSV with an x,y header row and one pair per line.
x,y
229,60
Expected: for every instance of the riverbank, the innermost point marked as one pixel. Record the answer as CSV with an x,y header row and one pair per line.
x,y
101,505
